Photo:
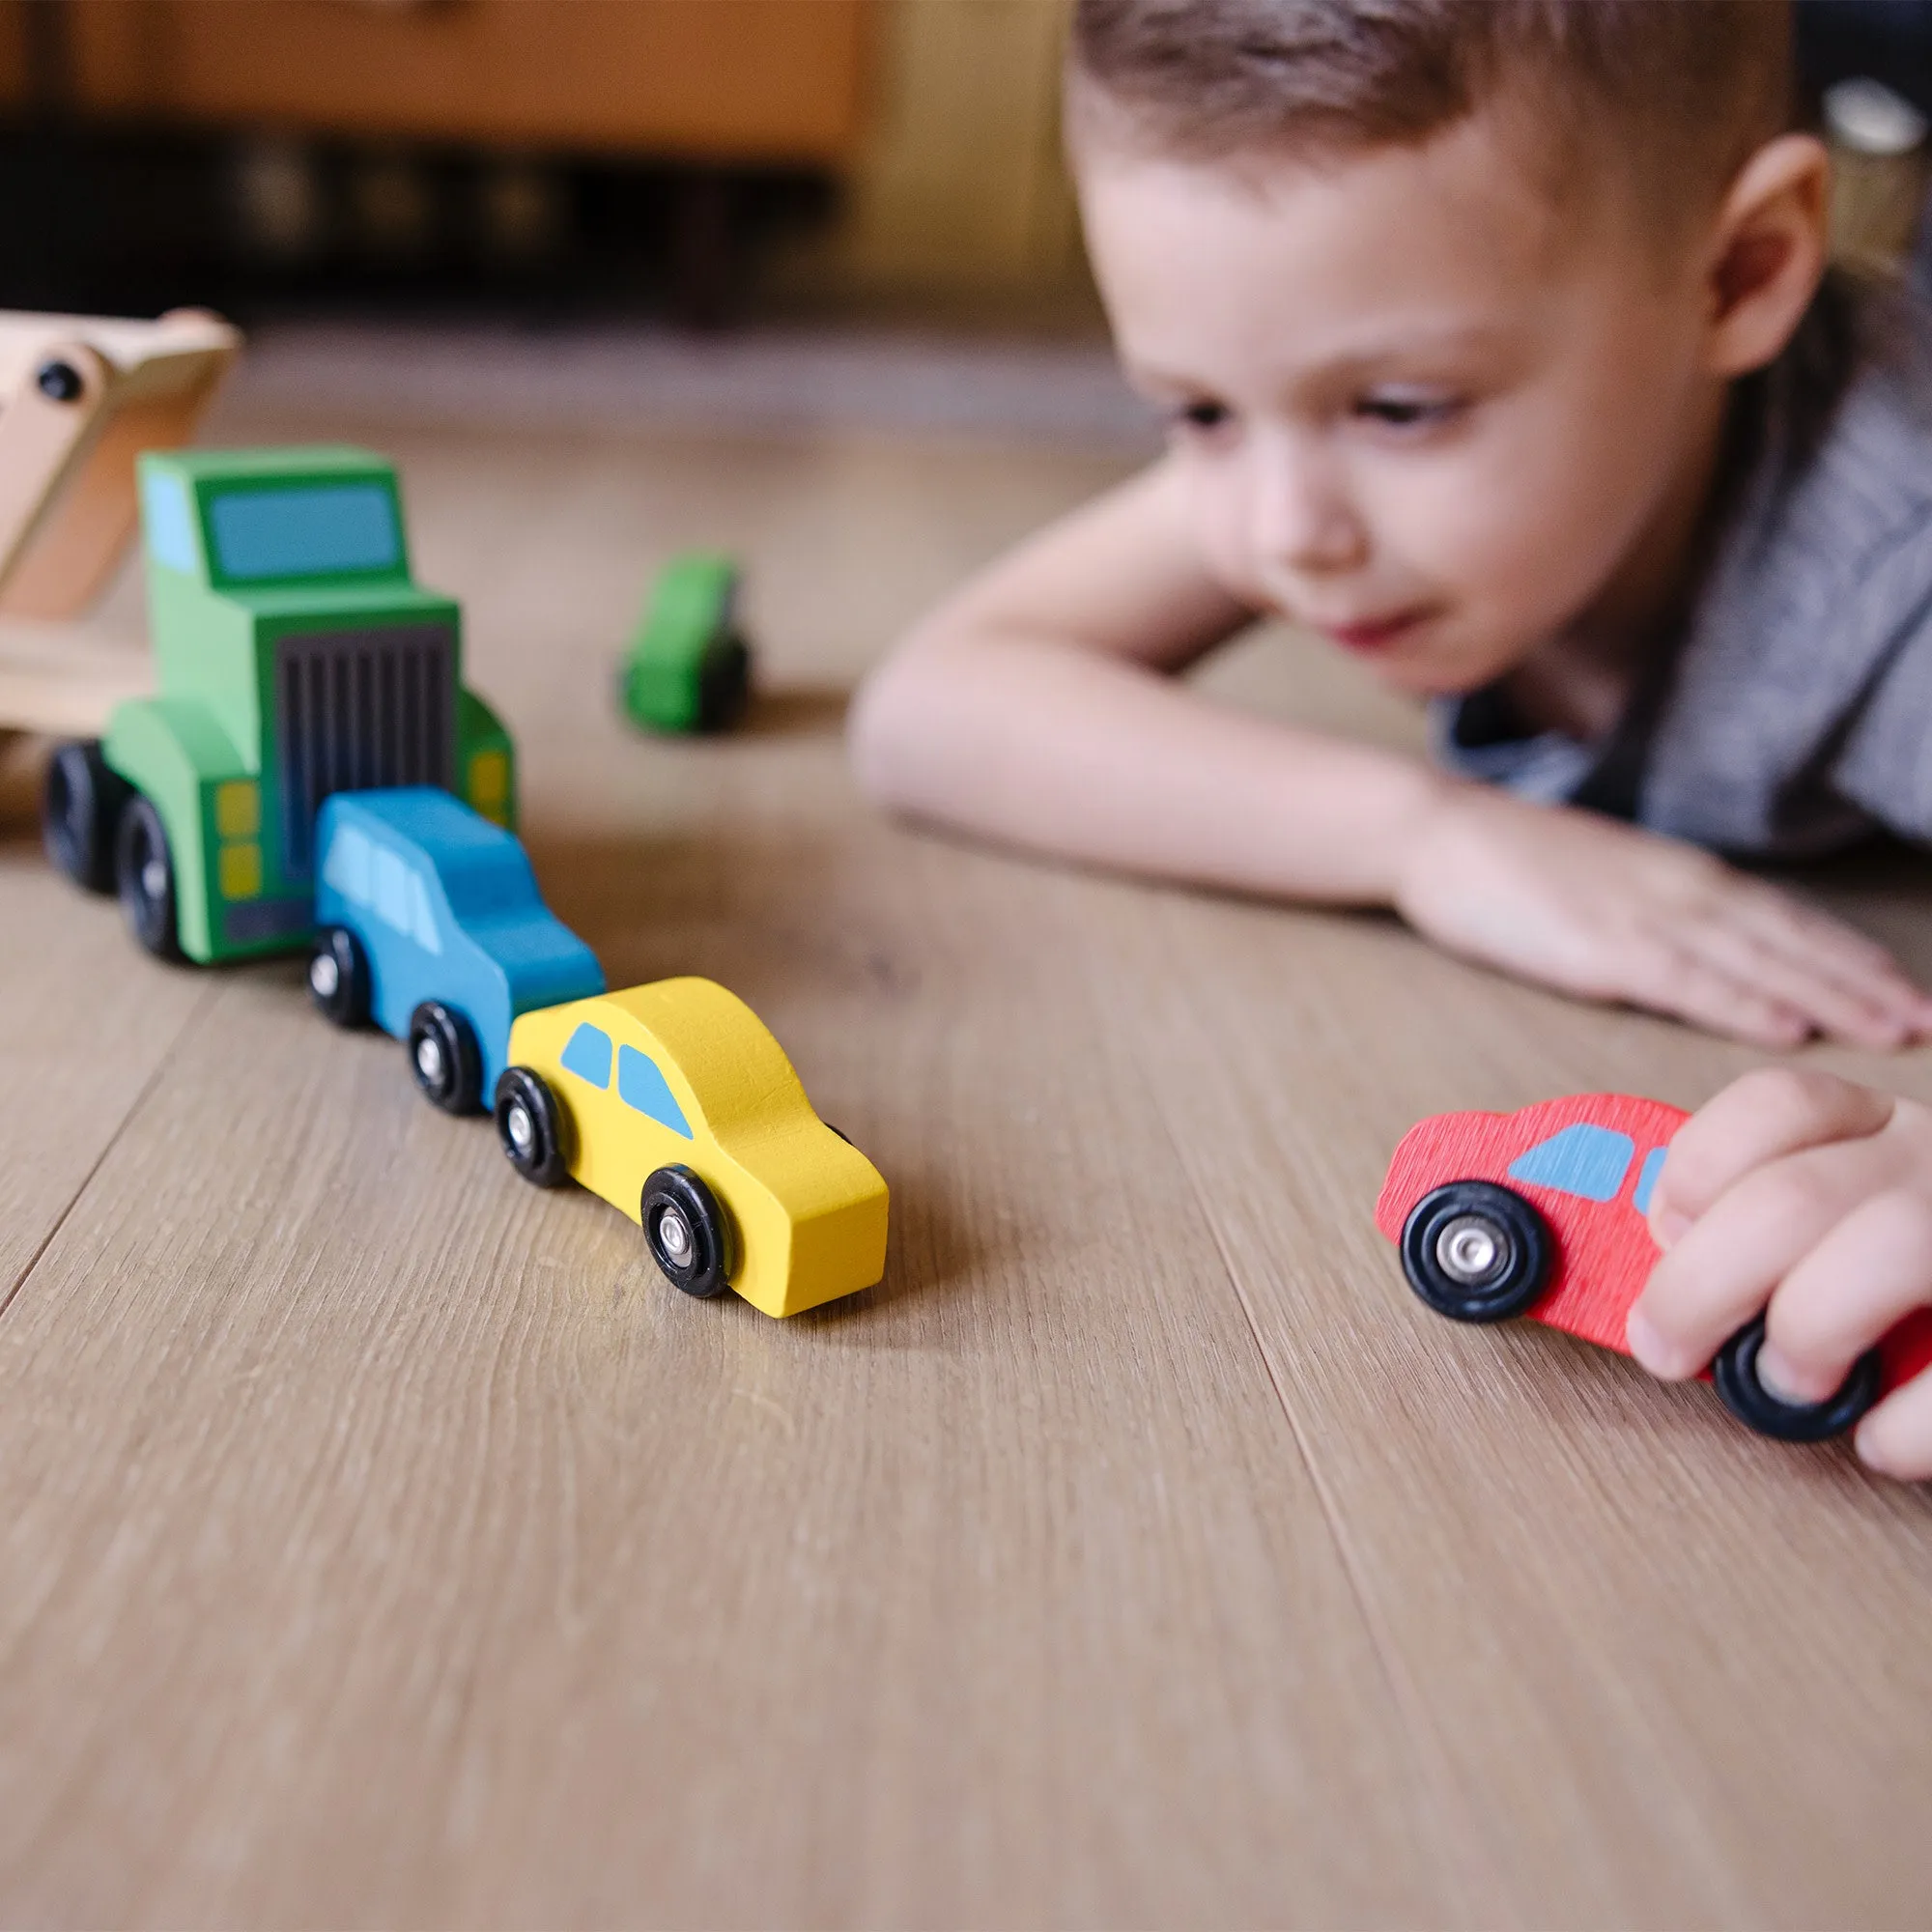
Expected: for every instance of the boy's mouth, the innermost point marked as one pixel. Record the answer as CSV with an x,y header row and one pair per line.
x,y
1369,635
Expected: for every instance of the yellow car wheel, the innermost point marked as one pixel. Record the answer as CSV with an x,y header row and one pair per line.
x,y
531,1125
687,1231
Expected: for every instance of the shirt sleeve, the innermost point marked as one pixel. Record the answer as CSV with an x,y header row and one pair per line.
x,y
1882,764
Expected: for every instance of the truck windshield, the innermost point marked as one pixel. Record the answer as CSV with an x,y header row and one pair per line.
x,y
315,531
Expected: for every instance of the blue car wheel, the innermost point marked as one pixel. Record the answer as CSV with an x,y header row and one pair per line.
x,y
338,976
445,1058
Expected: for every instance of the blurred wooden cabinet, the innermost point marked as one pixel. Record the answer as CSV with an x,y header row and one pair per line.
x,y
716,79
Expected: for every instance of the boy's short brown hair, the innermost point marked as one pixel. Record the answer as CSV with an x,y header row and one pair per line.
x,y
1685,88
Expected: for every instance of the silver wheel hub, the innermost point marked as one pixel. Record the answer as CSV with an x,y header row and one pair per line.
x,y
675,1235
1471,1250
521,1128
324,976
428,1059
155,879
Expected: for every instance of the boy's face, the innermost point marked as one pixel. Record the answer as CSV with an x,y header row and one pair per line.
x,y
1421,404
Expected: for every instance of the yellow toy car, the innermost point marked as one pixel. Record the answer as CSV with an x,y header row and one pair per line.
x,y
674,1102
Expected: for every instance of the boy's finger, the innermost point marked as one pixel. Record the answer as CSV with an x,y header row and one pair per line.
x,y
1858,1013
1724,1268
1869,1272
1758,1118
1896,1437
1858,963
1673,981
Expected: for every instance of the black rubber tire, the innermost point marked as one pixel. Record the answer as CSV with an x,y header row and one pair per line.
x,y
538,1149
338,976
450,1076
81,802
723,684
675,1196
1525,1245
144,877
1735,1374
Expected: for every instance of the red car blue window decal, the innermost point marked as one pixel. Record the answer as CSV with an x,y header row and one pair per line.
x,y
1646,1179
1582,1160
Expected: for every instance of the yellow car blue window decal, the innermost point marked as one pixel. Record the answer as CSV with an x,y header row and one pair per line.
x,y
1585,1160
588,1055
642,1086
1646,1179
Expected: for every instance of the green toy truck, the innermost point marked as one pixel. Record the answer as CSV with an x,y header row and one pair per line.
x,y
688,668
294,657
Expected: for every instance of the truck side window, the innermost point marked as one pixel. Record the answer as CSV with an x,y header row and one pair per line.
x,y
347,867
642,1086
588,1055
1585,1160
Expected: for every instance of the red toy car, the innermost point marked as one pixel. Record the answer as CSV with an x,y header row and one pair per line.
x,y
1541,1213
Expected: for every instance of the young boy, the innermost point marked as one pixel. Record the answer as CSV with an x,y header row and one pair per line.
x,y
1494,342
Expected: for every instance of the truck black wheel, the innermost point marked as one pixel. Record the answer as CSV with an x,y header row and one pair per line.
x,y
81,802
723,684
338,976
531,1124
687,1231
1476,1252
445,1058
144,876
1735,1372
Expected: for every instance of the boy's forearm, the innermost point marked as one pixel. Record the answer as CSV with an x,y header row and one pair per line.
x,y
1055,749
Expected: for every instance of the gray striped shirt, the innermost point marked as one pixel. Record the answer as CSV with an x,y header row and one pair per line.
x,y
1789,713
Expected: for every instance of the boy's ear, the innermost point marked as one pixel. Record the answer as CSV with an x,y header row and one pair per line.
x,y
1768,252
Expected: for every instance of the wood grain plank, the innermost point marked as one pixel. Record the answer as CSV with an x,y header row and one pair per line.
x,y
388,1544
85,1026
1662,1672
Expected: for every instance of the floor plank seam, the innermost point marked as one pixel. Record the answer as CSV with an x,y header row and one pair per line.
x,y
188,1024
1451,1844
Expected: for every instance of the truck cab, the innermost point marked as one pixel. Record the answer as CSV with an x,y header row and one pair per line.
x,y
296,657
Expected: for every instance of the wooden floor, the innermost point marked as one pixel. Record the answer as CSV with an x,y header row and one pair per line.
x,y
383,1542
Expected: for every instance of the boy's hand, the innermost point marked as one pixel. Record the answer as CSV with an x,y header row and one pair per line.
x,y
1801,1191
1601,909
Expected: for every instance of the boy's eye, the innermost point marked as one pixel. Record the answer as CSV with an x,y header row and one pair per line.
x,y
1403,409
1200,416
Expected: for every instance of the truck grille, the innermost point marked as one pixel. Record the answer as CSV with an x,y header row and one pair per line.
x,y
356,710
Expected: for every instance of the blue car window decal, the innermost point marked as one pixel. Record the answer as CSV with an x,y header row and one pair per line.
x,y
642,1086
346,869
422,920
588,1055
1584,1160
1646,1179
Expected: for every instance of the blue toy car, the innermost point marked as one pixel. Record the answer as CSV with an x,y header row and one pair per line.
x,y
428,922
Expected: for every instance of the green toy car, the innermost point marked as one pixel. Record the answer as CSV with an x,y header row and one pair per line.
x,y
296,658
689,669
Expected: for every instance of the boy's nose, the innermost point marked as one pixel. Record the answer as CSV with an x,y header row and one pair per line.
x,y
1301,518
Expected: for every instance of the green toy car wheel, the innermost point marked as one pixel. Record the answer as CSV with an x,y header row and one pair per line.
x,y
81,801
144,876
